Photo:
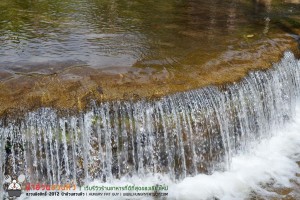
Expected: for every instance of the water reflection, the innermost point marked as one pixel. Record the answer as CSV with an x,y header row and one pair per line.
x,y
103,33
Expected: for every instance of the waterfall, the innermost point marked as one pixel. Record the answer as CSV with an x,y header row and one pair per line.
x,y
178,135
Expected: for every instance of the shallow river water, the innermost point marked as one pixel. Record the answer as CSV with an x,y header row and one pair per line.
x,y
36,36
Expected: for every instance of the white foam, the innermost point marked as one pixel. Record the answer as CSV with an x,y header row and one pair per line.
x,y
272,159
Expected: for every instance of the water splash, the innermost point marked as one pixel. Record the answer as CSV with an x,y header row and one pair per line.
x,y
179,135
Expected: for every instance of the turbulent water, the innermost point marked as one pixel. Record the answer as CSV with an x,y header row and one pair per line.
x,y
180,135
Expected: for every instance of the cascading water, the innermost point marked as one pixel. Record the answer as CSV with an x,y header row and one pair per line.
x,y
179,135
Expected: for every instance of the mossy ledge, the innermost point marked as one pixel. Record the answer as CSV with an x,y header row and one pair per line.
x,y
69,95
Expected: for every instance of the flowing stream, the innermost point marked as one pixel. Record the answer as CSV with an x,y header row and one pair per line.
x,y
179,136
